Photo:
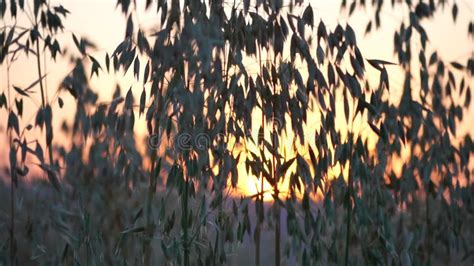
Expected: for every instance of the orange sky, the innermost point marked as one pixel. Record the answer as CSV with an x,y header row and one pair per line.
x,y
105,25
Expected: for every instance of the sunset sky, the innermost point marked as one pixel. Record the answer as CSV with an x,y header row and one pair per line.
x,y
102,23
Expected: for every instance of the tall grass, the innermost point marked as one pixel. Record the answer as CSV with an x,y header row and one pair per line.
x,y
105,203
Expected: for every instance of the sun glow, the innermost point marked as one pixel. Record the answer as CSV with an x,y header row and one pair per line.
x,y
249,185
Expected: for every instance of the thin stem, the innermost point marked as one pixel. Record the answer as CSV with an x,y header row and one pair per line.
x,y
276,193
349,188
43,103
151,191
257,242
349,212
428,227
38,64
12,231
277,219
12,182
185,223
260,220
277,231
8,83
186,226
